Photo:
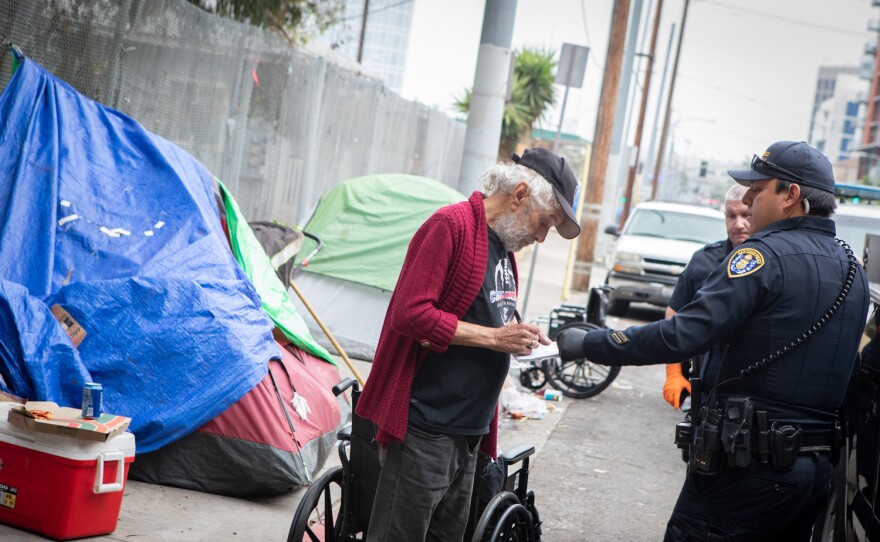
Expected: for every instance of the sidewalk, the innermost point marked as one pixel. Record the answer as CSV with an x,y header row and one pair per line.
x,y
158,513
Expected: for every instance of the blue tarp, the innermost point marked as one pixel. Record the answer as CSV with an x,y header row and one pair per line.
x,y
120,228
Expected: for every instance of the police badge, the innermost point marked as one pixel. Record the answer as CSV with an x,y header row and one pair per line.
x,y
744,261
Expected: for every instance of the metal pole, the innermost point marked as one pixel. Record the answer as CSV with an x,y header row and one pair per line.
x,y
650,155
631,177
665,131
487,99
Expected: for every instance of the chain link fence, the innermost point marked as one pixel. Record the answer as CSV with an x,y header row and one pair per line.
x,y
278,125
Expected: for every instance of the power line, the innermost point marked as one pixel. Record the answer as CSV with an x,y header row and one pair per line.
x,y
587,33
774,107
778,18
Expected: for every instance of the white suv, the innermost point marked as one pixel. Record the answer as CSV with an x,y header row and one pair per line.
x,y
653,249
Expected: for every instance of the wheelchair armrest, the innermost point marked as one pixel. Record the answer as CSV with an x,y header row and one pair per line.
x,y
517,454
344,433
344,385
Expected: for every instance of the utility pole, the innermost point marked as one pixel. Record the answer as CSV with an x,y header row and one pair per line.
x,y
614,178
363,31
665,131
601,146
637,143
649,158
492,76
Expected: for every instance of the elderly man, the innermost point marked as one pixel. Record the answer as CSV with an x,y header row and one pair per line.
x,y
445,346
703,262
788,306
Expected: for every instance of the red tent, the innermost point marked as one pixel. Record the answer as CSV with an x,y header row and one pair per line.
x,y
249,450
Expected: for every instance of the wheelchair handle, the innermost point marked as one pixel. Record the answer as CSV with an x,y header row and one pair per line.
x,y
344,385
517,454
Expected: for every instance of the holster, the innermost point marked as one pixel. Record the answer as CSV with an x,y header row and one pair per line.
x,y
785,445
736,431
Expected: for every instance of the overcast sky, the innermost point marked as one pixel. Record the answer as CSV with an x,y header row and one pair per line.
x,y
747,73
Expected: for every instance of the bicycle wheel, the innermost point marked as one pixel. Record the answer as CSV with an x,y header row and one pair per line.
x,y
533,378
579,378
317,517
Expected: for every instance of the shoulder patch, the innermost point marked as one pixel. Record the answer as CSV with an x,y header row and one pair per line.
x,y
619,337
744,261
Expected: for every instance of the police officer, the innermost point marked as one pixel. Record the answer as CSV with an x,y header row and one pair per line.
x,y
701,265
788,308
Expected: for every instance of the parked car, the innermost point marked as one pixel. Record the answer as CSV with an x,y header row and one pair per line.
x,y
854,222
653,249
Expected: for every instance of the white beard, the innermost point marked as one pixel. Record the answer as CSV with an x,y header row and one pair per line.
x,y
513,229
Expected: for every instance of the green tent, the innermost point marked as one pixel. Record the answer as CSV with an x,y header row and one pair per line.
x,y
365,224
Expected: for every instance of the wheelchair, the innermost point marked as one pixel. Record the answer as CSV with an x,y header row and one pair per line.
x,y
338,505
578,378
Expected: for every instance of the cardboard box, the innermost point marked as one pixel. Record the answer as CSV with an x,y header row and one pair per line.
x,y
61,487
74,331
67,421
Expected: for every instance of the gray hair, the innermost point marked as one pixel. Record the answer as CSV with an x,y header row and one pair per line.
x,y
734,193
504,177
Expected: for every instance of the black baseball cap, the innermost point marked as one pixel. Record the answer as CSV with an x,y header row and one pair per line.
x,y
792,161
558,173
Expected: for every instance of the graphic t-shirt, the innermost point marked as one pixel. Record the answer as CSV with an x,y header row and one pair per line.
x,y
455,392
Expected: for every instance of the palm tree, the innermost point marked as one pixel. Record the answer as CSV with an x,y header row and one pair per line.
x,y
531,94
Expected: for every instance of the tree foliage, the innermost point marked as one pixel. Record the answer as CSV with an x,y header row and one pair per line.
x,y
532,93
296,20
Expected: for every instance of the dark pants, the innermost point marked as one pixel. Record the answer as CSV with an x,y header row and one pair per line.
x,y
752,504
424,490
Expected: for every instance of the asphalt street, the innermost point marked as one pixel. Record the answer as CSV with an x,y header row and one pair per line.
x,y
605,468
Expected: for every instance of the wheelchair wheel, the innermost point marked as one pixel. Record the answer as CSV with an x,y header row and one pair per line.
x,y
578,378
504,519
317,517
533,378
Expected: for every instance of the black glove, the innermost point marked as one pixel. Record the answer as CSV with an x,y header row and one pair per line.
x,y
571,343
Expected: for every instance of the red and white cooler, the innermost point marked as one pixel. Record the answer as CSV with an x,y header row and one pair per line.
x,y
60,486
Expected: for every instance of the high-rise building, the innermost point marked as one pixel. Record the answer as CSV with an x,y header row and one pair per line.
x,y
835,125
826,83
385,41
869,156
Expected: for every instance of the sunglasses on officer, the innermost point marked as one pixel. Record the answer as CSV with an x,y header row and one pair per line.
x,y
757,161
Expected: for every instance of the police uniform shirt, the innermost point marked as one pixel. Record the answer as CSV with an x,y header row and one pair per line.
x,y
770,291
702,263
455,392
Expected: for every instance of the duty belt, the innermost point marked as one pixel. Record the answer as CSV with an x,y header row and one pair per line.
x,y
736,434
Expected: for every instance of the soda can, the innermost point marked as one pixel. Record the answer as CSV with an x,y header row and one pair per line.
x,y
93,400
552,395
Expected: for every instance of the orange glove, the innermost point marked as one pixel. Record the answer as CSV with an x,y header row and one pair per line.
x,y
675,384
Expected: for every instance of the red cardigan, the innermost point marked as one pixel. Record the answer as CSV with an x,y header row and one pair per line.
x,y
443,271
